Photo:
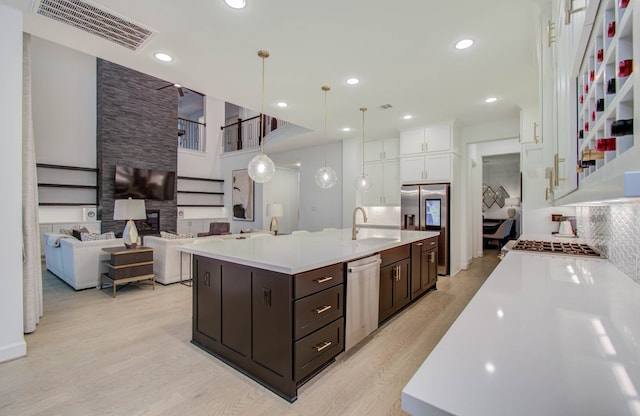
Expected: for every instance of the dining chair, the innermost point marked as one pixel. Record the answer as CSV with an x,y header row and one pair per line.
x,y
501,234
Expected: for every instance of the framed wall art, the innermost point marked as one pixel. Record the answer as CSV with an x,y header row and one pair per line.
x,y
243,196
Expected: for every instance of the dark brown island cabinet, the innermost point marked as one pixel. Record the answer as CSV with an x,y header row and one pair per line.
x,y
280,329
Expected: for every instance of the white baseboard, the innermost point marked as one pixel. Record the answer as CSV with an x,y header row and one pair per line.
x,y
13,351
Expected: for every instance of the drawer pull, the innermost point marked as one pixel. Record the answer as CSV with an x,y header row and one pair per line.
x,y
322,309
324,279
322,346
432,243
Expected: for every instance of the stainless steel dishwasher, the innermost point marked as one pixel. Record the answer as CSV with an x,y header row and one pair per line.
x,y
363,291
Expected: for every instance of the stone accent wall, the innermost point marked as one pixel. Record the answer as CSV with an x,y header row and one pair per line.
x,y
136,126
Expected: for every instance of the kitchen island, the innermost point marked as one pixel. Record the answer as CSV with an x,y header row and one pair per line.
x,y
545,335
274,308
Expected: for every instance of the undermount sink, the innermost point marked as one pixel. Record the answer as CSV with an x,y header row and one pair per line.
x,y
374,240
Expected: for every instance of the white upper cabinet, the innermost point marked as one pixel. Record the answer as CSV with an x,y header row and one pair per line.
x,y
597,88
426,168
436,138
385,183
381,150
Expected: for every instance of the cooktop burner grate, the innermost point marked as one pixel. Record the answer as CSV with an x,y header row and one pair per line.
x,y
555,247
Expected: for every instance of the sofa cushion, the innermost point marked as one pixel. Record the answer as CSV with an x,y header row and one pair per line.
x,y
171,236
77,232
95,236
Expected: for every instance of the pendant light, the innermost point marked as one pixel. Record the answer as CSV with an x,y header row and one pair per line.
x,y
362,182
325,176
261,168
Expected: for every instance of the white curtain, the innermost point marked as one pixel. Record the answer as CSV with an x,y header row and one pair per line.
x,y
32,269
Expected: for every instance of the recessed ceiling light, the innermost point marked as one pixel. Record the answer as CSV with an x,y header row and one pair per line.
x,y
346,129
464,44
490,99
236,4
281,104
163,57
407,117
353,81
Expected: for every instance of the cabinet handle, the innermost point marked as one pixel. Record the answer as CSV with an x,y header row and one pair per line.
x,y
322,309
536,139
556,167
433,243
322,346
432,257
569,10
207,279
419,244
550,37
324,279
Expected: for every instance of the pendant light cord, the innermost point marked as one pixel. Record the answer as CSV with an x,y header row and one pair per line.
x,y
262,54
363,109
325,89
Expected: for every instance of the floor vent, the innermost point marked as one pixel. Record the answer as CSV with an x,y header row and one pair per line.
x,y
97,21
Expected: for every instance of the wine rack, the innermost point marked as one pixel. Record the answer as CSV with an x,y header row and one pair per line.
x,y
605,89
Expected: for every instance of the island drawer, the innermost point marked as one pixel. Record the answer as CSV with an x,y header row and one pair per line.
x,y
314,350
315,311
395,254
313,281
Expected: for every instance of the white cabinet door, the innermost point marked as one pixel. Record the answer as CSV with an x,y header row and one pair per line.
x,y
438,138
392,182
412,169
375,194
412,142
373,151
438,168
391,148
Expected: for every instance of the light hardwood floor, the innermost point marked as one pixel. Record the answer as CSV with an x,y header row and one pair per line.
x,y
95,355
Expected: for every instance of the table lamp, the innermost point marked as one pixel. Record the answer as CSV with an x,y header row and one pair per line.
x,y
511,203
129,210
274,210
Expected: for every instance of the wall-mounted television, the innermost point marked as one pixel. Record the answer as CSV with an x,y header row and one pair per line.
x,y
140,183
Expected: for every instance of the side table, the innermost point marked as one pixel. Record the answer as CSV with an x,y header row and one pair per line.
x,y
128,265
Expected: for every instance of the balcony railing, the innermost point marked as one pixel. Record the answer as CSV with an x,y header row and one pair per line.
x,y
191,135
247,134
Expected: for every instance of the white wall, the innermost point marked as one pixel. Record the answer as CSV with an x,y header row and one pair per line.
x,y
64,123
477,141
12,344
283,189
319,208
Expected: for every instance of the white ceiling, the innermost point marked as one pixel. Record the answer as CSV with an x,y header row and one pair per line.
x,y
402,52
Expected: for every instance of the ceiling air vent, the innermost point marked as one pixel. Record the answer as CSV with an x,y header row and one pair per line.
x,y
384,107
97,21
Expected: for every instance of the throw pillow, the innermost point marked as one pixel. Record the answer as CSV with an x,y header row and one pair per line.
x,y
185,235
94,236
77,232
168,235
67,231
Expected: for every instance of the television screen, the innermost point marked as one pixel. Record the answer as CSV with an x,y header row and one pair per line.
x,y
144,183
433,212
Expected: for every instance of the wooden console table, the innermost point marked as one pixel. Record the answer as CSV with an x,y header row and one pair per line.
x,y
127,265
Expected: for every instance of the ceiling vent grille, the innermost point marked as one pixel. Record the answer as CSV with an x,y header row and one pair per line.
x,y
385,107
99,22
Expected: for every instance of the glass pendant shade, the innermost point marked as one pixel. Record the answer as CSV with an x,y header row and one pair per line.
x,y
363,183
261,168
326,177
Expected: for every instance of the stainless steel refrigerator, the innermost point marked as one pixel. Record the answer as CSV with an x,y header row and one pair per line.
x,y
426,208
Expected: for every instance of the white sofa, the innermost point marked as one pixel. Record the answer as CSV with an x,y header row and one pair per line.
x,y
166,257
78,263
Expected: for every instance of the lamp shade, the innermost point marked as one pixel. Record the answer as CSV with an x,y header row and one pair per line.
x,y
129,209
512,202
274,210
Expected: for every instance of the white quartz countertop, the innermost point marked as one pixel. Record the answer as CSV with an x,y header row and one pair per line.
x,y
544,335
298,253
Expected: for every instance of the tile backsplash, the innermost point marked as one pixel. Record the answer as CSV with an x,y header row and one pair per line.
x,y
614,230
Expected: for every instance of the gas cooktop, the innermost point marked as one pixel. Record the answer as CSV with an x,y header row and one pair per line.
x,y
555,247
